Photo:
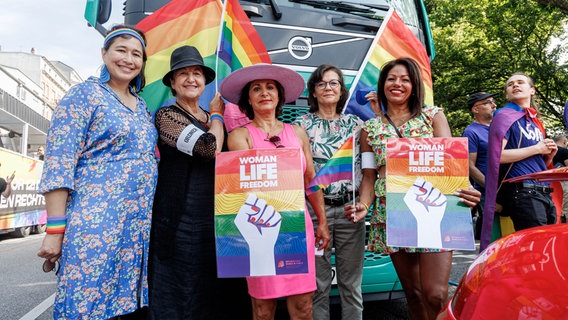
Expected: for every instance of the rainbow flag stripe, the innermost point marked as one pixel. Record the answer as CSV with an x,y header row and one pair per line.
x,y
394,40
338,167
197,23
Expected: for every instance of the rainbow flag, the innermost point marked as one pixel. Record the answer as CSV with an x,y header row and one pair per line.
x,y
240,44
338,167
197,23
393,40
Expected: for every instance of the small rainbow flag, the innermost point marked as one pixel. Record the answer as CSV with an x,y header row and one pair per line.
x,y
338,167
393,40
198,23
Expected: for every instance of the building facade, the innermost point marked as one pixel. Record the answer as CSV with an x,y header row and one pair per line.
x,y
30,88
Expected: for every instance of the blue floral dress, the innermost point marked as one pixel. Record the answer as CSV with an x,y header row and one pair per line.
x,y
103,152
377,134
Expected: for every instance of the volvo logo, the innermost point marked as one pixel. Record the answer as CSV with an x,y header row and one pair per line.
x,y
300,47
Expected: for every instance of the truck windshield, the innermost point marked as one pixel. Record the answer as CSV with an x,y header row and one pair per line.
x,y
408,10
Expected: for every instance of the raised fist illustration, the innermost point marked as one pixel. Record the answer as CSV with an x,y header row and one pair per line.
x,y
259,224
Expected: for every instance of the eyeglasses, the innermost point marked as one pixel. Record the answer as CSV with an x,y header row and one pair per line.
x,y
275,140
491,101
332,84
49,266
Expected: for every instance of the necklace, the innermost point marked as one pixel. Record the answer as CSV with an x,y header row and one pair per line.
x,y
203,123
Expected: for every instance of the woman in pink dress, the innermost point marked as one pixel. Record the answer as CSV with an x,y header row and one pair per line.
x,y
260,91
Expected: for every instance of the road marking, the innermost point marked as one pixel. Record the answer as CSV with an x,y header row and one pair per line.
x,y
37,311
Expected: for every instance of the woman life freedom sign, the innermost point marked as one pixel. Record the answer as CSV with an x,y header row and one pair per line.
x,y
259,213
422,210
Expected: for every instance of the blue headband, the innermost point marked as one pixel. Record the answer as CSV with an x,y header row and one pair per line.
x,y
122,31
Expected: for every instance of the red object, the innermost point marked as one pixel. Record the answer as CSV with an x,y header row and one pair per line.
x,y
521,276
546,175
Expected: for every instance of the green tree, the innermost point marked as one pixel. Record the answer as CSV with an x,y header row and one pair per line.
x,y
480,43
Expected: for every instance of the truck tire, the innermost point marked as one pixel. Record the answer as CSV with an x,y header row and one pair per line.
x,y
21,232
39,228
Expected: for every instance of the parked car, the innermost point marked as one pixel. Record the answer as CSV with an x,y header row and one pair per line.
x,y
521,276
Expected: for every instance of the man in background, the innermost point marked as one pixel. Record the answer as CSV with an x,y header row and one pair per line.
x,y
482,106
40,153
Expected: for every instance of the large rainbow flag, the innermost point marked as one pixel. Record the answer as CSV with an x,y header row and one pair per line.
x,y
422,210
259,213
393,40
338,167
198,23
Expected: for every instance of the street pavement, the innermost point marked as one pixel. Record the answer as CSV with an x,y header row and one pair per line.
x,y
28,291
397,309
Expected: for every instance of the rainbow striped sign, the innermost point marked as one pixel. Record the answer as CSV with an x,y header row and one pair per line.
x,y
422,210
260,226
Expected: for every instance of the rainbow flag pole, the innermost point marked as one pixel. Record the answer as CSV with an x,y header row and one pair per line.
x,y
220,40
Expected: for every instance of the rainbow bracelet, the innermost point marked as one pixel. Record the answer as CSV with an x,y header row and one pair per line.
x,y
216,115
56,225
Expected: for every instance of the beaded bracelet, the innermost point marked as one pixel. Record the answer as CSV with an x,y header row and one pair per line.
x,y
56,224
216,115
365,205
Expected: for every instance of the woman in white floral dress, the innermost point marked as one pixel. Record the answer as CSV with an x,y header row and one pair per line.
x,y
328,128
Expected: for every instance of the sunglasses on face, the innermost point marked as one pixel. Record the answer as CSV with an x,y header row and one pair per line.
x,y
275,140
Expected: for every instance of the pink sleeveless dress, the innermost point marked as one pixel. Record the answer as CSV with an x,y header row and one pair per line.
x,y
271,287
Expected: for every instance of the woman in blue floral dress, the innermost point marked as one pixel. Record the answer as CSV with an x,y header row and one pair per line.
x,y
98,180
423,273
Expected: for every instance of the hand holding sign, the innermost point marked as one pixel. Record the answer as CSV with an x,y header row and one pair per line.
x,y
259,224
428,206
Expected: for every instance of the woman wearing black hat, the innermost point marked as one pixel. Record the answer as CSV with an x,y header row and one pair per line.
x,y
183,276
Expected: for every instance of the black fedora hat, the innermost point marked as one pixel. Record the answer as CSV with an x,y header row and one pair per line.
x,y
187,56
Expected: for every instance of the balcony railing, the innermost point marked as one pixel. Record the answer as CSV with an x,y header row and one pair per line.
x,y
20,110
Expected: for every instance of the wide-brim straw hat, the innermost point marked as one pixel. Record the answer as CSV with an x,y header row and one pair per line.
x,y
187,56
290,80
